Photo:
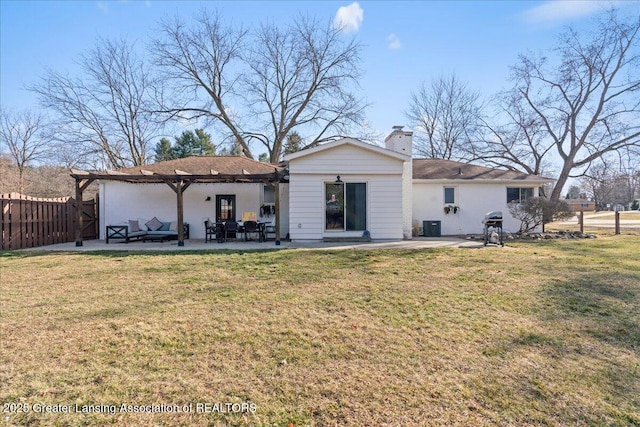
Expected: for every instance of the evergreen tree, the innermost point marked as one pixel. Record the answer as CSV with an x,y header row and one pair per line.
x,y
164,151
188,144
293,143
191,143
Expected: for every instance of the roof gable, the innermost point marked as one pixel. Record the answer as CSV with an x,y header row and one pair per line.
x,y
342,142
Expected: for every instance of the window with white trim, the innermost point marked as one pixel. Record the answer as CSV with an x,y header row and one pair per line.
x,y
518,194
449,195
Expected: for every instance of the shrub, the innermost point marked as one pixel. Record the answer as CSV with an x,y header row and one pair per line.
x,y
536,211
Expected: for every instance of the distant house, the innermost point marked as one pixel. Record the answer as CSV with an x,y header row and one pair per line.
x,y
342,189
578,205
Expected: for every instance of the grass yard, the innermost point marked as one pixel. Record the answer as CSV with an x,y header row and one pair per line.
x,y
534,334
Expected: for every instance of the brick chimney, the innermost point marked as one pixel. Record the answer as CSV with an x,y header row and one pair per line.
x,y
400,141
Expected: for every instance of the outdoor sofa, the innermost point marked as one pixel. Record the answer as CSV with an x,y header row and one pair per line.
x,y
140,229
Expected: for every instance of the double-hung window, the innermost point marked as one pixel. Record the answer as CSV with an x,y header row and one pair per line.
x,y
345,206
518,195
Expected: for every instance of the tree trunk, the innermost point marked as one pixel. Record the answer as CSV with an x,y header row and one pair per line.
x,y
562,180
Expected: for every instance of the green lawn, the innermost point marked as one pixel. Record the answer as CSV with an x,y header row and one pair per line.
x,y
536,333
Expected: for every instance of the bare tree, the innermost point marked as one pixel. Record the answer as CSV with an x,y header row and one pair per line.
x,y
519,143
300,79
595,183
279,79
20,135
588,104
445,116
107,112
608,183
203,64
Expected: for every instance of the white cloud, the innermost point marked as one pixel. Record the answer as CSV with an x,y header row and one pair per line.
x,y
102,7
560,10
394,41
349,18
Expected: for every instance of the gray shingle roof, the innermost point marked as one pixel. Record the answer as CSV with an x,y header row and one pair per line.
x,y
449,169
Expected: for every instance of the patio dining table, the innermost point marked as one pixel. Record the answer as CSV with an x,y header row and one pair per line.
x,y
221,226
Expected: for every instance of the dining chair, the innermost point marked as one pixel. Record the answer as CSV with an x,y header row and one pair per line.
x,y
269,228
219,229
230,230
251,227
209,231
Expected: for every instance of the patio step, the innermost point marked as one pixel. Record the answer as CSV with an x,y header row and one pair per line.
x,y
346,239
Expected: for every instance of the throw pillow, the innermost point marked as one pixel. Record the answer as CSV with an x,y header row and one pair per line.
x,y
134,225
142,222
173,226
154,224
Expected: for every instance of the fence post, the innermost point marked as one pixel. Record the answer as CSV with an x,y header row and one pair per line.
x,y
6,221
581,221
617,222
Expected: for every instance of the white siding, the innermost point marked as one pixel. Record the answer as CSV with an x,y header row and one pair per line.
x,y
474,200
120,202
382,174
385,207
345,159
307,205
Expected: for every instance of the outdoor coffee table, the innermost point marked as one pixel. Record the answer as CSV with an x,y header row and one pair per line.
x,y
156,238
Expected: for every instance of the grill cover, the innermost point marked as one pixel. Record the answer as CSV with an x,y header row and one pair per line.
x,y
493,218
493,215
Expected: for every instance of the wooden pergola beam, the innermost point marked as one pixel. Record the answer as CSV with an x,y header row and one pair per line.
x,y
178,182
192,178
179,187
277,213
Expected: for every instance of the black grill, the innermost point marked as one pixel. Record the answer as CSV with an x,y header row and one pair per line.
x,y
493,224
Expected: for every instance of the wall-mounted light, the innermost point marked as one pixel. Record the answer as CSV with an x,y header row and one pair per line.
x,y
338,179
208,199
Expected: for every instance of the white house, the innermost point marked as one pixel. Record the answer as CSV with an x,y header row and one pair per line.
x,y
344,189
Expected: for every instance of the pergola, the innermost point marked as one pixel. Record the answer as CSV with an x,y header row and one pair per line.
x,y
179,182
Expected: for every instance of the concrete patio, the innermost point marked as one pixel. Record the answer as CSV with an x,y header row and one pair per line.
x,y
200,245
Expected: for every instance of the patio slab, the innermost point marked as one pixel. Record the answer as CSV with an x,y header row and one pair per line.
x,y
200,245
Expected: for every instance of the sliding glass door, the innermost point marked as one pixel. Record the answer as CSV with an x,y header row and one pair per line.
x,y
346,206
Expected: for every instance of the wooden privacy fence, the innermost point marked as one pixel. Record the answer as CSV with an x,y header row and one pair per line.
x,y
29,222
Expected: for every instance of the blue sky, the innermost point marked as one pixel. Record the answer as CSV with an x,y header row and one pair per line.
x,y
406,42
